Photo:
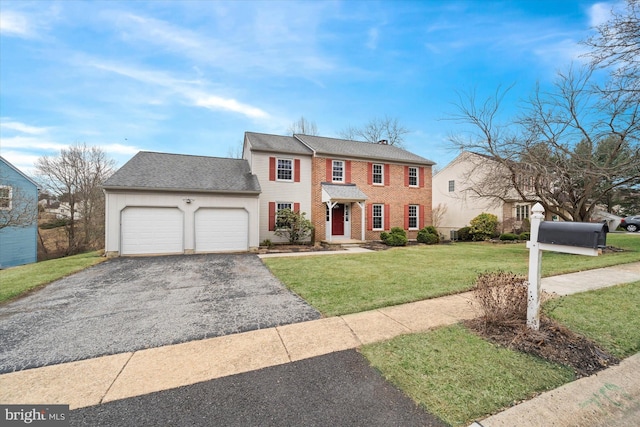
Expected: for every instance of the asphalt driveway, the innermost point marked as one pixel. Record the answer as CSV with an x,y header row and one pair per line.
x,y
128,304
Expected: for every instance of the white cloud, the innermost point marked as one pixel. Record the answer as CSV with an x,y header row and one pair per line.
x,y
191,90
599,13
372,41
21,127
15,24
217,103
119,149
32,143
24,162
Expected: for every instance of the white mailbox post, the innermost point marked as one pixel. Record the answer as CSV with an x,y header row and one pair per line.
x,y
576,234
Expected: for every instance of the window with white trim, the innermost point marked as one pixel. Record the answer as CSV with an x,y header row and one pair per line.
x,y
5,197
327,213
279,207
452,186
338,171
377,174
522,212
285,170
377,217
413,217
346,213
413,177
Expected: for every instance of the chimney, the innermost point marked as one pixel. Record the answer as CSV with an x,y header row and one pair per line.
x,y
383,142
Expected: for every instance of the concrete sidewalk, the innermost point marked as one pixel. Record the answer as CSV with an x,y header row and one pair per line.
x,y
94,381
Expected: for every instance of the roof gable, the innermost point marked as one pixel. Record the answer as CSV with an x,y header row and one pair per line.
x,y
360,150
276,143
18,172
179,172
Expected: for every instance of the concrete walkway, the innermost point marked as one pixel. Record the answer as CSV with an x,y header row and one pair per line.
x,y
94,381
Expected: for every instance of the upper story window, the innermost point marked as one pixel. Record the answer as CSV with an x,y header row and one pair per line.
x,y
5,197
377,217
452,186
413,177
285,170
377,173
338,171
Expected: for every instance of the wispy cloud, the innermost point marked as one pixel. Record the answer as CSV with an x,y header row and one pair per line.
x,y
372,40
15,24
9,124
190,90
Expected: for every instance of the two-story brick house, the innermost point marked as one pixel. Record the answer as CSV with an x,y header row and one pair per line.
x,y
160,203
350,190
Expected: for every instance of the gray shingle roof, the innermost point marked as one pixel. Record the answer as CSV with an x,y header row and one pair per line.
x,y
179,172
276,143
361,150
343,192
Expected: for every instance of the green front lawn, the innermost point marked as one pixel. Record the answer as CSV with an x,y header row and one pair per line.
x,y
18,280
460,377
341,284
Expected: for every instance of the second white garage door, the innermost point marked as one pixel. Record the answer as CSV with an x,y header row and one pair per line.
x,y
222,230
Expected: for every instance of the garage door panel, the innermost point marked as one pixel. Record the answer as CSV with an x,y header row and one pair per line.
x,y
221,230
152,230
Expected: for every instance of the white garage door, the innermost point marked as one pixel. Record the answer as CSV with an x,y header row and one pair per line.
x,y
222,230
152,230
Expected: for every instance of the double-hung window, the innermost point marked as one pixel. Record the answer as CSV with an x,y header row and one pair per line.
x,y
452,186
413,177
5,198
522,212
280,206
377,173
338,171
413,217
377,217
285,170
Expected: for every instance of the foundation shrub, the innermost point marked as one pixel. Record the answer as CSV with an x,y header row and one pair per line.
x,y
428,235
508,236
395,237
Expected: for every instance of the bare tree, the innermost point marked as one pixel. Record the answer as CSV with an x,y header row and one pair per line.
x,y
77,175
568,149
616,46
376,130
303,126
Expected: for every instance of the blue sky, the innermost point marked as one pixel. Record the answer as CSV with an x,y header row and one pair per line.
x,y
191,77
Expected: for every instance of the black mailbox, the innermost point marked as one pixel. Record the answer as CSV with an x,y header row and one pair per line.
x,y
580,234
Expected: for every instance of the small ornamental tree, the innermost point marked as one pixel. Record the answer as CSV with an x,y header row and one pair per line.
x,y
293,225
484,226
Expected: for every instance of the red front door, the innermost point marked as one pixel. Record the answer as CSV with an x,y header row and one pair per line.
x,y
337,220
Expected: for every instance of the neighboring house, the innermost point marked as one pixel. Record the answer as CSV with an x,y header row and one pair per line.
x,y
458,197
167,203
18,217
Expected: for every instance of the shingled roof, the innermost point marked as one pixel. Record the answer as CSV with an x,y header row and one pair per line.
x,y
179,172
276,143
360,150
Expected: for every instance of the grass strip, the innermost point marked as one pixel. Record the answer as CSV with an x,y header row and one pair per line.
x,y
460,377
610,317
18,280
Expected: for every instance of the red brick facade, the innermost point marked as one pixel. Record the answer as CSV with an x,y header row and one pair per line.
x,y
395,194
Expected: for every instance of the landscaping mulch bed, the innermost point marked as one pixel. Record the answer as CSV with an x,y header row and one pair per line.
x,y
552,342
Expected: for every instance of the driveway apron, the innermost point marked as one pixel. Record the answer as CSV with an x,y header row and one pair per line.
x,y
128,304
